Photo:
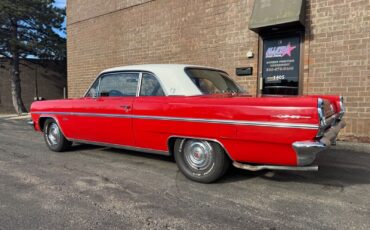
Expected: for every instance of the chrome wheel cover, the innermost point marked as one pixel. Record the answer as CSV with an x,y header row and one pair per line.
x,y
198,154
53,134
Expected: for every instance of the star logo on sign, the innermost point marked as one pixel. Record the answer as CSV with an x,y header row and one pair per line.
x,y
288,50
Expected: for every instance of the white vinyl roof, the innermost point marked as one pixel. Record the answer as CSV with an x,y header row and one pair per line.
x,y
171,76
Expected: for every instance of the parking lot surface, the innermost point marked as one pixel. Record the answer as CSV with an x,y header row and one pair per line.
x,y
92,187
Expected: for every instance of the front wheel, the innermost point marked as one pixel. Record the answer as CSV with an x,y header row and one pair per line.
x,y
201,160
54,138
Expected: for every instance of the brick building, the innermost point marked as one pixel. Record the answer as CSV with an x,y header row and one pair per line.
x,y
39,78
325,43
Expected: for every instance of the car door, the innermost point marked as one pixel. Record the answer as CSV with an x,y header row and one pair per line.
x,y
151,103
104,115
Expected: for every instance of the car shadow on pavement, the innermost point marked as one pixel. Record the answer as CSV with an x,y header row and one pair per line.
x,y
138,154
80,147
337,168
235,174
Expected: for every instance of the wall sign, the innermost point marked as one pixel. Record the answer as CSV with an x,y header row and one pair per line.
x,y
280,65
244,71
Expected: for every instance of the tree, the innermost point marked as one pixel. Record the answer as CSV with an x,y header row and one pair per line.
x,y
29,28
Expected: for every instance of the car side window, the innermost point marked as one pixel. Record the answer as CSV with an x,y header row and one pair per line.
x,y
119,85
93,91
150,86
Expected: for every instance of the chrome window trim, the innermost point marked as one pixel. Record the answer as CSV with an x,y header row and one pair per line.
x,y
127,71
120,72
138,88
91,85
188,119
159,81
88,89
99,77
98,89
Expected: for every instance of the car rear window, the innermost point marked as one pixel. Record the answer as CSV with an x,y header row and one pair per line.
x,y
210,81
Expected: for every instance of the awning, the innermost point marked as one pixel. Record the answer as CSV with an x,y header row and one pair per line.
x,y
271,15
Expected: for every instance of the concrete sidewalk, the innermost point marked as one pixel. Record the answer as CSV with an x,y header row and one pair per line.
x,y
15,116
352,146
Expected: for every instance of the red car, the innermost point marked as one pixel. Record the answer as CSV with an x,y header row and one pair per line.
x,y
198,114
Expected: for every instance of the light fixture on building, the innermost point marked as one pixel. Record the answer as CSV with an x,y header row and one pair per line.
x,y
250,54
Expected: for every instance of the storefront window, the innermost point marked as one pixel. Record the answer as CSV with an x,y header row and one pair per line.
x,y
280,65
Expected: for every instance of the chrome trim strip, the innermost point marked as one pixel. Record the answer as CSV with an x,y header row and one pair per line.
x,y
126,147
56,120
186,119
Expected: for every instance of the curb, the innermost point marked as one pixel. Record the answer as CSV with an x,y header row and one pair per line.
x,y
353,146
15,116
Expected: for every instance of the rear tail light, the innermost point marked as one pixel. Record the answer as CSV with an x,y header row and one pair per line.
x,y
322,122
327,115
321,112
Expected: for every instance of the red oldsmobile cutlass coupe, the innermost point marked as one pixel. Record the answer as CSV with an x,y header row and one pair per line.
x,y
198,114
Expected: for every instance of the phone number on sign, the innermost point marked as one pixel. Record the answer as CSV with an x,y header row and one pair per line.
x,y
276,78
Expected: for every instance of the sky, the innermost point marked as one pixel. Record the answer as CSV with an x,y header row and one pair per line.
x,y
61,4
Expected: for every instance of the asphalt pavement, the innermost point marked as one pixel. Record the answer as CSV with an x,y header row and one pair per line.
x,y
91,187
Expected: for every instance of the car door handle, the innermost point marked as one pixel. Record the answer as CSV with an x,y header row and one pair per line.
x,y
126,107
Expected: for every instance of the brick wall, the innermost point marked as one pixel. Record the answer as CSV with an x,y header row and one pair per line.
x,y
51,79
103,34
338,58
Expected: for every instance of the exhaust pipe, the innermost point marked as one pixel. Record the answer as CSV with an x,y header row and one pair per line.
x,y
274,167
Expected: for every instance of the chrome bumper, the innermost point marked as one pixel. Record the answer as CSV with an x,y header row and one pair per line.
x,y
307,150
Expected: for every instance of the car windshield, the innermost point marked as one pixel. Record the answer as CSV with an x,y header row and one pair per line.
x,y
212,81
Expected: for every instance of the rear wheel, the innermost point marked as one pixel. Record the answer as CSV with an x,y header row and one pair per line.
x,y
54,138
201,160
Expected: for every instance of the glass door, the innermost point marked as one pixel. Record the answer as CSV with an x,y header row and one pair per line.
x,y
281,65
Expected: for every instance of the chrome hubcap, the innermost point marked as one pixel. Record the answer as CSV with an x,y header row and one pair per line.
x,y
198,154
53,134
